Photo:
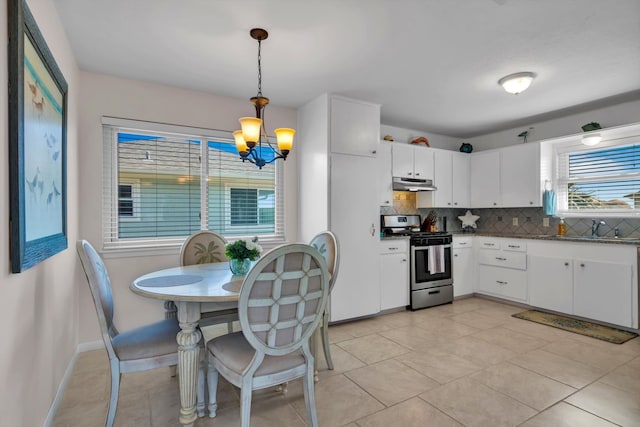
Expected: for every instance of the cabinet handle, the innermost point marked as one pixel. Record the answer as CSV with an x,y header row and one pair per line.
x,y
455,203
514,246
500,282
581,264
373,152
386,201
417,173
500,258
393,249
404,260
566,264
448,203
494,203
455,254
409,173
462,243
530,203
373,229
489,244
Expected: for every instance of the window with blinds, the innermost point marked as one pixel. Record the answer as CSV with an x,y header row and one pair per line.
x,y
163,183
600,180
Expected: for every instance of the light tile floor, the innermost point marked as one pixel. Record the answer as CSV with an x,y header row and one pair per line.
x,y
468,363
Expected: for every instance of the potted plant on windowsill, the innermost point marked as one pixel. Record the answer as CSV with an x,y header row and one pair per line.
x,y
241,253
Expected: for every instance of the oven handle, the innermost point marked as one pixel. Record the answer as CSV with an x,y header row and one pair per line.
x,y
417,248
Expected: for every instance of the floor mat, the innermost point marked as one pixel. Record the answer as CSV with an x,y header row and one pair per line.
x,y
582,327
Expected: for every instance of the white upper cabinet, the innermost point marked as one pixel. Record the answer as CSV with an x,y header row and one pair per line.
x,y
385,188
520,176
508,177
485,179
355,126
451,177
411,161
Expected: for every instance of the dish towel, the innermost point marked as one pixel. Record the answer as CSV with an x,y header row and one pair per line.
x,y
435,259
549,202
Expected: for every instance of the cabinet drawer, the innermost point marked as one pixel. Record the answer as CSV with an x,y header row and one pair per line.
x,y
489,243
503,282
517,260
514,245
393,246
462,242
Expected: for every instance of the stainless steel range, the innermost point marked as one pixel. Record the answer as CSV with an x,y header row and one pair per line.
x,y
431,274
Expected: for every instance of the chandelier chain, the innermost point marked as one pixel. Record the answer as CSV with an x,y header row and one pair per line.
x,y
259,69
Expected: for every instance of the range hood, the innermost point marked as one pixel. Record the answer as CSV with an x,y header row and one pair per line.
x,y
412,184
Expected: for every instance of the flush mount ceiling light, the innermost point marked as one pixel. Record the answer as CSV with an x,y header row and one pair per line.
x,y
592,139
516,83
249,140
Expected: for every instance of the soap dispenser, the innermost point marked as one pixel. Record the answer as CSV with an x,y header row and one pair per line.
x,y
562,227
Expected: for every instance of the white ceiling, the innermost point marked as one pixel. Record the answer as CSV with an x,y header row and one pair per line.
x,y
433,65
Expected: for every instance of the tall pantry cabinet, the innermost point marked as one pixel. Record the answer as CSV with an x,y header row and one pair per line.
x,y
336,152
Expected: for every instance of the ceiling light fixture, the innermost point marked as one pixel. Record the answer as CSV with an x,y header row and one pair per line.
x,y
249,139
592,139
516,83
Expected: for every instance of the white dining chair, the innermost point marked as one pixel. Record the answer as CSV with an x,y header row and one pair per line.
x,y
327,244
146,347
204,247
281,304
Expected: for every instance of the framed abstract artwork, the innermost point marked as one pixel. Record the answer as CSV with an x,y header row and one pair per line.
x,y
37,144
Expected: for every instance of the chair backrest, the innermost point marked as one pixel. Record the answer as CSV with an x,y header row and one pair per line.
x,y
203,247
282,299
327,244
100,286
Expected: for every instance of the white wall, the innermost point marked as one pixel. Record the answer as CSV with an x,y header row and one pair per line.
x,y
407,135
616,115
104,95
39,306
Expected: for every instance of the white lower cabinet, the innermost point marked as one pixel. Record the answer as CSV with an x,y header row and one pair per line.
x,y
551,283
603,291
594,281
502,268
394,274
462,266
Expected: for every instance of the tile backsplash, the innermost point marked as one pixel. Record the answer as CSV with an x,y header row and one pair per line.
x,y
501,220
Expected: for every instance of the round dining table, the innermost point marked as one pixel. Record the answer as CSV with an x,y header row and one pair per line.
x,y
190,288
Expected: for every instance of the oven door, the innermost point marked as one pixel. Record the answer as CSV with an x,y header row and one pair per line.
x,y
421,277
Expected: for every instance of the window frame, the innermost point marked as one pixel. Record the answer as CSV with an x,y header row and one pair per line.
x,y
165,245
561,151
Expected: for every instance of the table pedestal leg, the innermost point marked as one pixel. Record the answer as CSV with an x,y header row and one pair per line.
x,y
188,359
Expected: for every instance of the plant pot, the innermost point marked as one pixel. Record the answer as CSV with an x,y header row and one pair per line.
x,y
240,266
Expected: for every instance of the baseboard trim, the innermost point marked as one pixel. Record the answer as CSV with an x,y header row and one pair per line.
x,y
81,348
88,346
48,422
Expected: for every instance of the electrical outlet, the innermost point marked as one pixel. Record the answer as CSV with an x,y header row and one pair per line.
x,y
515,221
545,222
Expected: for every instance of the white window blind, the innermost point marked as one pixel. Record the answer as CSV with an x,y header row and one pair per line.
x,y
185,180
601,180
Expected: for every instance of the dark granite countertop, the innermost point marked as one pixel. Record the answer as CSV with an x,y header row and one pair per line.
x,y
585,239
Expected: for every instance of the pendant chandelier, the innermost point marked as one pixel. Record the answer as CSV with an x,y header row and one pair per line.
x,y
249,140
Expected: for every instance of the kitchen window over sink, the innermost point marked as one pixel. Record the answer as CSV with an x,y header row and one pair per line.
x,y
602,181
163,182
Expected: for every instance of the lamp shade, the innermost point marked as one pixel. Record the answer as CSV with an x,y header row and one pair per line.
x,y
516,83
592,139
241,145
250,129
284,136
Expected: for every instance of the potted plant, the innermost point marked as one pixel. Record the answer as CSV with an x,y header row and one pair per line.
x,y
241,253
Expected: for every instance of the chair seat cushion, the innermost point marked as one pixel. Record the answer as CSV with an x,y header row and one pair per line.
x,y
155,339
233,351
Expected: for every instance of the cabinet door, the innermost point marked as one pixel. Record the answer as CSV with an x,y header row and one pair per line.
x,y
485,179
503,282
443,174
402,155
423,162
354,218
520,176
385,188
603,291
355,127
460,168
462,271
394,281
550,283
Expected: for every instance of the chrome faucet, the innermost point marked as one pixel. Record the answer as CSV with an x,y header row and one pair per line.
x,y
595,225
